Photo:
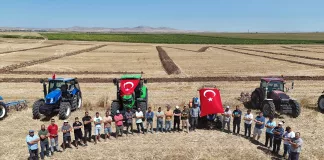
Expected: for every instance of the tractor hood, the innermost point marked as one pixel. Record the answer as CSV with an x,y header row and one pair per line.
x,y
53,96
127,86
279,95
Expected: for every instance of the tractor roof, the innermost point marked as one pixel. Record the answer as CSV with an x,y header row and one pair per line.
x,y
61,79
131,76
272,79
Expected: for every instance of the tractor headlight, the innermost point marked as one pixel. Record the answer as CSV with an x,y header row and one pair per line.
x,y
52,100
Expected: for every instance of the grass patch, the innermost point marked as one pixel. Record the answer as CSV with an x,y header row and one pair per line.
x,y
171,39
20,37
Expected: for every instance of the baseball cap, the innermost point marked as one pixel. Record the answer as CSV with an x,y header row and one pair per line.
x,y
65,121
177,107
280,123
31,131
227,106
117,111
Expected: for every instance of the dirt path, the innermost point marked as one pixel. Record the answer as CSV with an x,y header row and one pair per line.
x,y
27,49
202,49
169,66
302,50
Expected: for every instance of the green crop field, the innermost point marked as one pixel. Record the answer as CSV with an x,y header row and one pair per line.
x,y
175,38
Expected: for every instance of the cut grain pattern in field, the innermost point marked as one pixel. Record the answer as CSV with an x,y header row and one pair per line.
x,y
27,49
302,50
168,64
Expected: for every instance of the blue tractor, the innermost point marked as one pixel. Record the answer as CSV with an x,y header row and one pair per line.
x,y
6,107
62,96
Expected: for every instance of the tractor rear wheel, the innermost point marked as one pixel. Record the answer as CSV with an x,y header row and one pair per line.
x,y
3,110
114,107
65,110
268,108
143,106
295,108
36,106
321,103
255,100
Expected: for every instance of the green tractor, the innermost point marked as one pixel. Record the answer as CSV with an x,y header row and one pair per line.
x,y
131,93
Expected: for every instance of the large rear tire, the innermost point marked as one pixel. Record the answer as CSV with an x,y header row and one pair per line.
x,y
255,100
65,110
114,107
295,108
143,106
321,103
3,110
36,106
268,109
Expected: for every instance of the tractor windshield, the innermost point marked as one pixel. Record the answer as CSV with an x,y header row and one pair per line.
x,y
53,85
275,85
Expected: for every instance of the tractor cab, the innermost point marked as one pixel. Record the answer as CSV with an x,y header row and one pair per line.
x,y
272,84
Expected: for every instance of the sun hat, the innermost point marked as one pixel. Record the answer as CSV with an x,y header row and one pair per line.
x,y
227,106
65,121
177,107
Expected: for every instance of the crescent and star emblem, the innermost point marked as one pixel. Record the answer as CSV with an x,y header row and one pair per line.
x,y
211,91
131,83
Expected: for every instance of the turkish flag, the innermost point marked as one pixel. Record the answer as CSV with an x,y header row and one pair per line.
x,y
210,101
127,86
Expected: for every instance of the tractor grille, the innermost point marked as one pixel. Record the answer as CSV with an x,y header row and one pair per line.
x,y
285,108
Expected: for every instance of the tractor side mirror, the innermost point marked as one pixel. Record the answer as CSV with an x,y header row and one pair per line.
x,y
115,81
145,80
41,81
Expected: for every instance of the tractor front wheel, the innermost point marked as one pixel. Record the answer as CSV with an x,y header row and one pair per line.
x,y
268,108
321,103
114,107
255,100
3,110
295,108
36,106
65,110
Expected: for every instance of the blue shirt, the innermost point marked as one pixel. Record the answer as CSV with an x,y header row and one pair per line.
x,y
272,124
278,136
261,119
149,116
195,112
29,139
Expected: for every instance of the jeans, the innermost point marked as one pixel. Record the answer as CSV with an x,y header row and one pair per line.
x,y
236,124
159,125
194,123
87,134
119,130
168,126
149,126
286,149
33,154
293,156
276,145
176,124
127,127
269,138
54,142
44,145
228,123
247,128
138,127
185,122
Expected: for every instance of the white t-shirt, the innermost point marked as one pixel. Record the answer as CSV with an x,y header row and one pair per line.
x,y
248,116
97,120
229,112
288,135
139,114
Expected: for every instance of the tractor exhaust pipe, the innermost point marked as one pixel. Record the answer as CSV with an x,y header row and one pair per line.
x,y
44,87
266,92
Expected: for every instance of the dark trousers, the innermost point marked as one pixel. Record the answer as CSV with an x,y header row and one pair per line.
x,y
87,134
236,124
138,127
247,129
129,125
33,154
286,149
194,123
176,122
276,145
44,145
293,156
269,138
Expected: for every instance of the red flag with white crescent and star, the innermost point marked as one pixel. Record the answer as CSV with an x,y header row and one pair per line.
x,y
210,101
127,86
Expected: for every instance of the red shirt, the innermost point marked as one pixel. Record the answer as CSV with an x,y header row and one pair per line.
x,y
52,130
119,119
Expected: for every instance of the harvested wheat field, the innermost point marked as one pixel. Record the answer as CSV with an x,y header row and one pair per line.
x,y
174,74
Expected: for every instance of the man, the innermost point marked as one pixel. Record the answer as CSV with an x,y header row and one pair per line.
x,y
270,125
296,144
176,119
211,120
43,134
184,118
53,131
259,125
107,125
159,120
139,120
194,113
248,118
119,124
149,120
97,122
77,125
227,119
32,142
277,137
87,127
129,121
168,119
237,113
66,129
288,135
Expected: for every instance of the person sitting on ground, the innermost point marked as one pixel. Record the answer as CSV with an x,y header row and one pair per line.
x,y
159,120
77,125
259,125
227,119
32,142
248,119
119,124
237,113
176,119
270,125
194,113
149,120
43,134
184,118
168,119
107,125
129,121
97,122
277,138
210,120
139,120
296,144
288,135
66,129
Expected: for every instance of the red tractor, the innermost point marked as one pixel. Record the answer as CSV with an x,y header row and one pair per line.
x,y
271,97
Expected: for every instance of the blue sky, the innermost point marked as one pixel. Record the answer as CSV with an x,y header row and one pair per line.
x,y
200,15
